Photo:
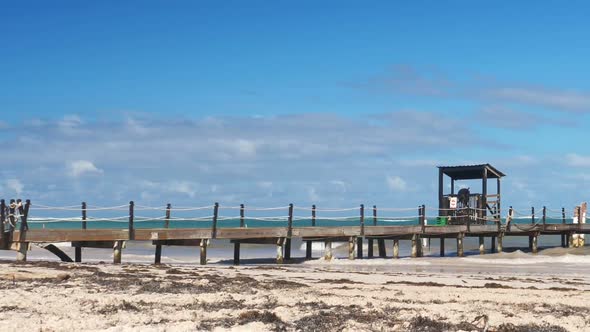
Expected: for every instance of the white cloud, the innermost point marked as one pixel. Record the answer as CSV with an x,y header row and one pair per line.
x,y
396,183
577,160
312,195
15,186
183,187
78,168
341,184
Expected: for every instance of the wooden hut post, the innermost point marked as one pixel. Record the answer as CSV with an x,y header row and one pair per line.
x,y
359,240
158,258
563,234
237,242
289,233
309,243
395,248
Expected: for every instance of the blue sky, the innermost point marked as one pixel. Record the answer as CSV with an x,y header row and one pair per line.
x,y
271,102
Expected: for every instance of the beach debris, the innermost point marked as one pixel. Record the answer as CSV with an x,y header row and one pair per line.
x,y
63,276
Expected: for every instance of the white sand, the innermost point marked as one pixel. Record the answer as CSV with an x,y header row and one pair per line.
x,y
314,296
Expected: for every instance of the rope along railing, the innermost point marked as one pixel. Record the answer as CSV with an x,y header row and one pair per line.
x,y
164,214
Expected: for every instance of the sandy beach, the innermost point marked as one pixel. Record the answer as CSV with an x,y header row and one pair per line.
x,y
314,296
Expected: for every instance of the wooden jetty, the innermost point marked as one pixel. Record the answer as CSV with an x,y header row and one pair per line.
x,y
367,229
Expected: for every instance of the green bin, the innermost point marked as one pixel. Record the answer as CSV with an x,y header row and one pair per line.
x,y
441,221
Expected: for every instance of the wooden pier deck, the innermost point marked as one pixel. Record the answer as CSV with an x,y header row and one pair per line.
x,y
280,237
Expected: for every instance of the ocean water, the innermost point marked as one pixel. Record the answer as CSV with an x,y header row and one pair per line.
x,y
221,251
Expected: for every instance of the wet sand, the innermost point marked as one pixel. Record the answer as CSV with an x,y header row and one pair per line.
x,y
368,295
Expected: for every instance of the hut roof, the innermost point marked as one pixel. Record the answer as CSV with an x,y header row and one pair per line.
x,y
471,172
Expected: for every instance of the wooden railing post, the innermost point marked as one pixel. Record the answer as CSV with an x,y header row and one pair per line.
x,y
289,233
214,224
242,214
359,240
78,249
370,242
131,217
158,256
237,243
380,242
423,217
84,217
308,244
563,235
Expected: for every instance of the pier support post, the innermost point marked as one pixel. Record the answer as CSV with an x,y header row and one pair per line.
x,y
359,247
158,256
460,245
237,253
117,250
563,240
530,242
78,254
308,248
482,246
570,240
535,248
328,250
280,244
21,253
493,245
204,243
415,246
351,243
370,245
442,246
396,248
287,249
500,242
381,246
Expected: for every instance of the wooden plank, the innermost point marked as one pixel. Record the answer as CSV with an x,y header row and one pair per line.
x,y
186,243
70,235
391,230
172,234
321,232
